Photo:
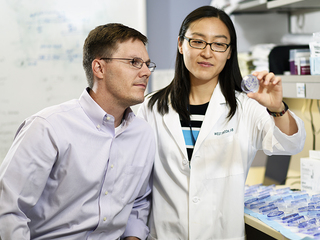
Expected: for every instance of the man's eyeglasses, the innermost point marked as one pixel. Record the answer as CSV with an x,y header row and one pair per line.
x,y
201,44
136,62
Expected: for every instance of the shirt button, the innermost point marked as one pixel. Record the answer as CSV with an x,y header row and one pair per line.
x,y
111,166
108,118
98,126
184,161
106,193
195,199
104,219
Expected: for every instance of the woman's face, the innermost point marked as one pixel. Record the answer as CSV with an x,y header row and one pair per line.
x,y
205,64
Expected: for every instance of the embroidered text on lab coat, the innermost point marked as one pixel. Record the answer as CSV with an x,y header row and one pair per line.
x,y
223,132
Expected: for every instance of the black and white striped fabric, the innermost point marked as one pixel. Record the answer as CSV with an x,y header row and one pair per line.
x,y
191,131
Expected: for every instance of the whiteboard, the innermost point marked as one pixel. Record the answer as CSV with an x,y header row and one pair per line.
x,y
41,52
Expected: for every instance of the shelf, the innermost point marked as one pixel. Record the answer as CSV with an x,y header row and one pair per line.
x,y
252,6
293,86
264,228
293,4
275,5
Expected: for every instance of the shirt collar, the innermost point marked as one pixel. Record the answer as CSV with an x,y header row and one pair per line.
x,y
96,113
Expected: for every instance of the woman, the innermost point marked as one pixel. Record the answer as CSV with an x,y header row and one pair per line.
x,y
208,132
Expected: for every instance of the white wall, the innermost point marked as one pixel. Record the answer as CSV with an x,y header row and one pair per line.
x,y
41,52
259,28
305,22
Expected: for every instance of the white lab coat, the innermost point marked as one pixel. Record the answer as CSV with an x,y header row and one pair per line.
x,y
206,199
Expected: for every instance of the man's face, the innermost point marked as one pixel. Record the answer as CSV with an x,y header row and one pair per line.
x,y
125,84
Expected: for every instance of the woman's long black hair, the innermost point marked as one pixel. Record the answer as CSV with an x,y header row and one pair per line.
x,y
177,92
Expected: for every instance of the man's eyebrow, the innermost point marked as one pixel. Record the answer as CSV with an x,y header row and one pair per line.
x,y
133,57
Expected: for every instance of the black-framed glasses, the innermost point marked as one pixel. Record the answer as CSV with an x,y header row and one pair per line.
x,y
136,62
201,44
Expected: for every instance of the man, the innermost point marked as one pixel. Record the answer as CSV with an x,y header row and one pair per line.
x,y
81,170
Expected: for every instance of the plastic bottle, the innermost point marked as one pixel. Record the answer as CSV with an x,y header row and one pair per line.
x,y
315,54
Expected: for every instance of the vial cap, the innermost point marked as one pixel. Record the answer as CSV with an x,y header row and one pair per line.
x,y
250,83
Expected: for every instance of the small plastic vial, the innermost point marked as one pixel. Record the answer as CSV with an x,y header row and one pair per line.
x,y
266,207
275,215
257,205
283,190
250,201
317,235
300,196
313,212
311,230
295,221
299,203
263,197
302,226
306,208
269,209
278,201
250,83
289,217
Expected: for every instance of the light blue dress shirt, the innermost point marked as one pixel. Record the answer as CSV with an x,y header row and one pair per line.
x,y
69,175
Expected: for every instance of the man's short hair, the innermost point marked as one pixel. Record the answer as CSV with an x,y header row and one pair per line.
x,y
103,42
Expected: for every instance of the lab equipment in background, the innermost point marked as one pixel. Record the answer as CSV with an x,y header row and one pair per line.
x,y
245,63
300,61
279,58
296,214
315,54
310,172
277,167
259,55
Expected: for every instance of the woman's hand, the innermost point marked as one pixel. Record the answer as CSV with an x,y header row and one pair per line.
x,y
270,96
270,91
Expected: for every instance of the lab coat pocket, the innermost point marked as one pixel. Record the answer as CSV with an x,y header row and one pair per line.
x,y
131,188
223,157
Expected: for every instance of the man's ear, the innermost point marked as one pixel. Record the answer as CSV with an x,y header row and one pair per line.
x,y
97,68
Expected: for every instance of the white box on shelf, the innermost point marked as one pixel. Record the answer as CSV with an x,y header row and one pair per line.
x,y
310,174
314,154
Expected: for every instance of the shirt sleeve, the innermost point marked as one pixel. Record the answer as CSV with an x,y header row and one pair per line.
x,y
137,222
265,135
23,175
277,142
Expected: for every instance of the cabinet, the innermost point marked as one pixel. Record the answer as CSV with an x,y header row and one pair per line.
x,y
294,86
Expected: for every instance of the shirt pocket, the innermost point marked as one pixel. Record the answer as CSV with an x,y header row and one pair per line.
x,y
132,184
223,157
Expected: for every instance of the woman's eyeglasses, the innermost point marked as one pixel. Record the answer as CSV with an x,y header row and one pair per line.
x,y
201,44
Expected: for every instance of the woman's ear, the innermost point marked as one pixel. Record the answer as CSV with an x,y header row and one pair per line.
x,y
180,45
229,54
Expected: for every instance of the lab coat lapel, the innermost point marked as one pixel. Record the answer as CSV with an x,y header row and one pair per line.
x,y
172,121
216,109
